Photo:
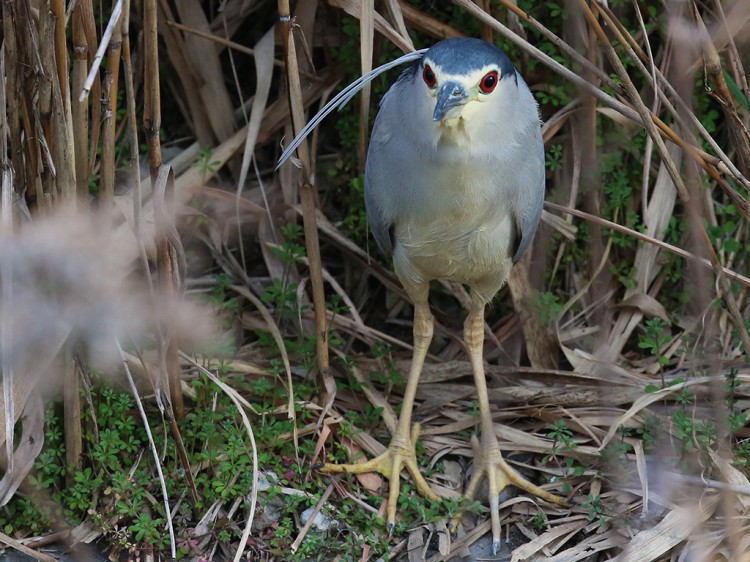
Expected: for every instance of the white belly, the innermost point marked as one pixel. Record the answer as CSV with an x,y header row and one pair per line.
x,y
464,245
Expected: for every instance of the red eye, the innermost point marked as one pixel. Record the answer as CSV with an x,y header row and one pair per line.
x,y
429,76
489,82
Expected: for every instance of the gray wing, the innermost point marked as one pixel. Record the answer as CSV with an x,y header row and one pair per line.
x,y
375,192
387,166
530,202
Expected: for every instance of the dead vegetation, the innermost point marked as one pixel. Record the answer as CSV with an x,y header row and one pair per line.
x,y
617,357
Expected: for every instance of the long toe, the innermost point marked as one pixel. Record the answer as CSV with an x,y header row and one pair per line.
x,y
490,464
400,455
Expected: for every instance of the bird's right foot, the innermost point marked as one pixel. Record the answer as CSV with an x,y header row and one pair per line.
x,y
400,455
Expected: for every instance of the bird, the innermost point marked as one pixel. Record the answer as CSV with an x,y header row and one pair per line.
x,y
454,189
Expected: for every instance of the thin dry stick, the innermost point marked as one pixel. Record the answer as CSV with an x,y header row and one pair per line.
x,y
635,99
721,162
548,61
303,532
307,196
152,446
20,547
564,47
233,45
645,238
736,63
712,63
709,163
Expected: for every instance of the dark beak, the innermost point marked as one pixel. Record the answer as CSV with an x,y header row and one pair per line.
x,y
450,95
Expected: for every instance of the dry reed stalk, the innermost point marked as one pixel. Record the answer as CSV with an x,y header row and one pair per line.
x,y
151,95
366,36
10,47
169,248
132,141
61,141
109,113
307,197
80,107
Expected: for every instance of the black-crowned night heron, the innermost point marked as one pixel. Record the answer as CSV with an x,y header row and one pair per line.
x,y
454,185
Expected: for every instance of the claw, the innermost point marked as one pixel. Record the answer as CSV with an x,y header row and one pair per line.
x,y
399,455
490,464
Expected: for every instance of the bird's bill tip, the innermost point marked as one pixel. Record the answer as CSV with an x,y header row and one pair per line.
x,y
449,96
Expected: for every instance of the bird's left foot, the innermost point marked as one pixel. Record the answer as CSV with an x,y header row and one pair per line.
x,y
489,463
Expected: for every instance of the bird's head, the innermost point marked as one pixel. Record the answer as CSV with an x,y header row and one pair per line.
x,y
460,76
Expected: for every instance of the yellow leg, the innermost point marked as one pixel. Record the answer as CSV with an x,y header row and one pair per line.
x,y
401,453
487,458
